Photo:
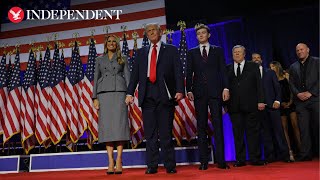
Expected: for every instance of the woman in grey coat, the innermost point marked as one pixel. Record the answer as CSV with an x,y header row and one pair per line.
x,y
111,79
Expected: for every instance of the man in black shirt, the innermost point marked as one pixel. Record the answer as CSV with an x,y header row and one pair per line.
x,y
304,84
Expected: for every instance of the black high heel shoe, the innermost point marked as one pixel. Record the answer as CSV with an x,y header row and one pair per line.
x,y
111,172
118,172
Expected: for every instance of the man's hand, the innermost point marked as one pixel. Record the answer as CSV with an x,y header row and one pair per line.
x,y
308,94
190,96
304,96
225,95
96,104
261,106
276,105
178,96
129,100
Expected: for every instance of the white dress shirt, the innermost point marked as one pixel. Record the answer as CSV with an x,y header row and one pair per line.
x,y
261,71
207,48
235,65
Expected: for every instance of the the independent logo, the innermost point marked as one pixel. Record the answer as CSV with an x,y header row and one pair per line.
x,y
15,14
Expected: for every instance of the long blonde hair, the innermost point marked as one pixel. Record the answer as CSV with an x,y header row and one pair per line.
x,y
120,57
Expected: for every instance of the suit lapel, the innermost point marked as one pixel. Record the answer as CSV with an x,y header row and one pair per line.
x,y
264,72
211,52
107,62
162,49
232,71
146,55
244,70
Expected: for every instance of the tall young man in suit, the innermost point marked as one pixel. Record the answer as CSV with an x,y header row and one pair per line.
x,y
207,85
304,84
272,134
158,71
246,98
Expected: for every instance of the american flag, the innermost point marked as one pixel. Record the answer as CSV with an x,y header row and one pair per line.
x,y
133,56
27,105
12,124
185,124
41,101
3,90
89,113
57,113
76,124
134,14
145,40
135,114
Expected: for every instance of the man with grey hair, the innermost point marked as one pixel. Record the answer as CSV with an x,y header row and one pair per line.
x,y
158,71
246,98
304,84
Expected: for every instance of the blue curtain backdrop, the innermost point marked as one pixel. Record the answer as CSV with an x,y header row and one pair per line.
x,y
274,36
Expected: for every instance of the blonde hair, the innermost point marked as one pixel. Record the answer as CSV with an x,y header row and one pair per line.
x,y
120,57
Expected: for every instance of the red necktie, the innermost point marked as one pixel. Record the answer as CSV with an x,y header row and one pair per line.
x,y
153,64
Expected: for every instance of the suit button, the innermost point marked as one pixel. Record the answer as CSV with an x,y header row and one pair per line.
x,y
114,67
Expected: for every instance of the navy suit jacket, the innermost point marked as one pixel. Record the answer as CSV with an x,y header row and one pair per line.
x,y
213,72
169,73
271,87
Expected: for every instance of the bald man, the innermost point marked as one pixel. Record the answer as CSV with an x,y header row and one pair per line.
x,y
304,84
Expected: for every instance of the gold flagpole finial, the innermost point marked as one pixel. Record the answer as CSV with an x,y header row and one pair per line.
x,y
5,45
124,28
182,25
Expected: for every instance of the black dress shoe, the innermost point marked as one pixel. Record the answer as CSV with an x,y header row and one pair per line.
x,y
203,166
151,171
239,164
258,163
171,171
223,166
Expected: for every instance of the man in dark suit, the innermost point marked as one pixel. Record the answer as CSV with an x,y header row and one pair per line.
x,y
246,98
158,71
207,85
272,134
304,84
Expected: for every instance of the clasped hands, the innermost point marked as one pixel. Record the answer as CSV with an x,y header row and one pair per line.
x,y
304,95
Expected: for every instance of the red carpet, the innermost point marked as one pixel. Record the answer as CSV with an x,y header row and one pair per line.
x,y
279,170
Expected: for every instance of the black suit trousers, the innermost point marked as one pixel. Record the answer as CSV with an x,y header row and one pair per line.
x,y
201,108
246,123
158,123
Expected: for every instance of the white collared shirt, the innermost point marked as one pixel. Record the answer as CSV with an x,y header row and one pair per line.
x,y
207,48
149,55
261,71
235,65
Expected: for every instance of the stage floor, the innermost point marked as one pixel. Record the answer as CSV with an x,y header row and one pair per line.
x,y
279,170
